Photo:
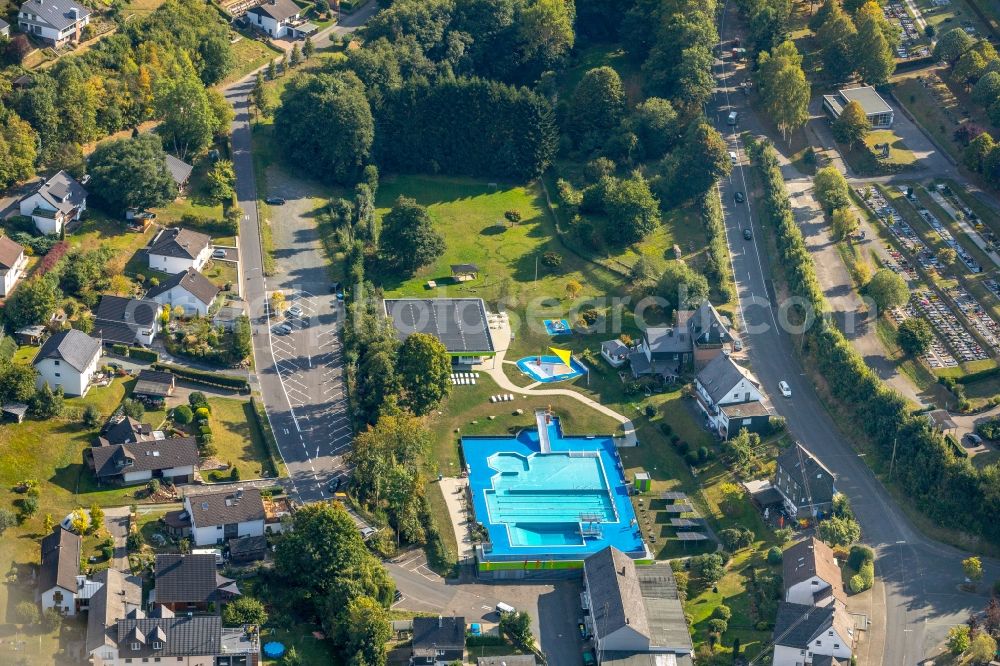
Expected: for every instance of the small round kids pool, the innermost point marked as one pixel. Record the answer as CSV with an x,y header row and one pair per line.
x,y
550,368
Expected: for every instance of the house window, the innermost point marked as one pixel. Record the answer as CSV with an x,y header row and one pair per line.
x,y
56,362
736,396
815,582
829,633
135,647
819,643
58,375
157,646
836,646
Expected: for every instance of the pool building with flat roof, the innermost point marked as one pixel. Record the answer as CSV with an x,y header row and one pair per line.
x,y
460,324
543,496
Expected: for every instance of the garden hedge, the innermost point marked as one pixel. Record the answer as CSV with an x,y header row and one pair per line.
x,y
143,354
202,377
267,436
946,488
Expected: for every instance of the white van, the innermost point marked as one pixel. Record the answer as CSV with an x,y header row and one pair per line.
x,y
733,158
732,118
209,551
503,608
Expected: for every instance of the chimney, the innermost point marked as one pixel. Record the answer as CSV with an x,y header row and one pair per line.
x,y
623,570
440,619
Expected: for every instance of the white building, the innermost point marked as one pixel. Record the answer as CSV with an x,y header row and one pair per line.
x,y
59,579
174,459
811,575
722,383
189,289
633,609
807,635
175,250
55,203
279,19
4,29
68,359
54,21
876,109
127,321
217,516
13,261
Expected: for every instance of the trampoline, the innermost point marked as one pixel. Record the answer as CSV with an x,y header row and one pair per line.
x,y
274,650
550,368
557,327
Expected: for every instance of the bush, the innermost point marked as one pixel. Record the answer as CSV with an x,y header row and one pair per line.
x,y
120,349
26,612
859,555
91,416
135,542
650,411
142,354
202,377
682,447
691,458
722,612
717,626
666,428
183,414
989,429
552,260
857,584
774,555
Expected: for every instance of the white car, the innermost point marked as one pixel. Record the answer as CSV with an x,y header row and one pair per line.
x,y
785,389
284,329
218,253
294,311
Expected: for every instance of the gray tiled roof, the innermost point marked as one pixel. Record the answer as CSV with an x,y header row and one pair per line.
x,y
61,191
226,507
615,594
60,560
126,430
797,624
191,281
150,455
666,340
75,347
130,311
179,170
721,375
804,468
57,13
179,242
118,595
10,251
442,633
184,636
153,382
622,658
279,10
187,579
707,326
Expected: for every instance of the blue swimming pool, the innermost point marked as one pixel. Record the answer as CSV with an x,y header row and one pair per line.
x,y
557,326
550,368
565,503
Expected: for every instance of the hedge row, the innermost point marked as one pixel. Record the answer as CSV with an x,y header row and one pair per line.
x,y
718,251
143,354
207,378
267,435
946,488
974,377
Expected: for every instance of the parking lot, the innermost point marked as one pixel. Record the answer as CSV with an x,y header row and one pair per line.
x,y
307,355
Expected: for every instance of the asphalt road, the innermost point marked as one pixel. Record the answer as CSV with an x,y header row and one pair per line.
x,y
298,374
920,576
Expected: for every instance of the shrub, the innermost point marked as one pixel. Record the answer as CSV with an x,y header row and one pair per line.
x,y
722,612
691,458
703,454
120,349
666,428
183,414
552,260
774,555
135,542
859,555
989,429
857,584
142,354
717,626
91,416
27,612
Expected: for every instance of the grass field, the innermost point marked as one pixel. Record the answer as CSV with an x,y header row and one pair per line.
x,y
249,54
238,443
898,152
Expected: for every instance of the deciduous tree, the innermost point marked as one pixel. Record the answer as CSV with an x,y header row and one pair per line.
x,y
424,369
409,240
875,44
887,289
852,125
131,174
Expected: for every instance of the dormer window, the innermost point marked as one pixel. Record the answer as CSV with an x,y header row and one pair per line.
x,y
135,647
157,645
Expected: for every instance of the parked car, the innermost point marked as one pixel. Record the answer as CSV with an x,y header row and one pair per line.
x,y
218,253
972,439
588,657
747,234
294,311
737,344
284,329
739,197
274,201
367,532
785,389
397,596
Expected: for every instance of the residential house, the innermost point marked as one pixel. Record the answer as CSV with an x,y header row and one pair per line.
x,y
126,430
179,170
173,459
4,29
438,640
174,250
55,22
190,640
219,515
189,289
803,634
59,579
664,351
153,386
191,583
811,575
279,19
877,110
13,261
724,383
711,333
806,485
117,596
615,352
127,321
633,610
68,359
57,201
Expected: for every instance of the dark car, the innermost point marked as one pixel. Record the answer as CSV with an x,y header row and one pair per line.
x,y
274,201
739,197
972,439
747,234
588,657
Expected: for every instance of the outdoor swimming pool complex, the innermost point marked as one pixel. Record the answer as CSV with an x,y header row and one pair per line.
x,y
553,497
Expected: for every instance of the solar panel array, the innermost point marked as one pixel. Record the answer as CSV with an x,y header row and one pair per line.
x,y
459,323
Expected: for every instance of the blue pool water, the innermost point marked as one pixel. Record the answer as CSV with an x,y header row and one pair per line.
x,y
565,504
551,368
557,327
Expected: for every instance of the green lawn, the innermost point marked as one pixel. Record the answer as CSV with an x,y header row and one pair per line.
x,y
196,200
898,152
99,230
237,441
249,55
310,649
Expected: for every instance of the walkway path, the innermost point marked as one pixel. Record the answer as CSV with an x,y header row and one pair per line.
x,y
453,489
501,340
116,522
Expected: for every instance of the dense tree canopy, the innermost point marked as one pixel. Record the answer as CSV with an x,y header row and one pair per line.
x,y
409,240
914,336
596,107
837,37
17,148
887,289
424,369
852,125
655,124
694,166
875,44
326,125
681,286
784,90
131,173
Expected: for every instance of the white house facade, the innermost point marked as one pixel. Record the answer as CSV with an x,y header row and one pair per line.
x,y
13,261
68,359
54,21
59,577
55,203
230,514
189,289
723,383
175,250
276,18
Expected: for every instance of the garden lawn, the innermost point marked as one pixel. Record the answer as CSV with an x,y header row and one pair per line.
x,y
237,441
195,201
898,152
249,55
99,230
310,649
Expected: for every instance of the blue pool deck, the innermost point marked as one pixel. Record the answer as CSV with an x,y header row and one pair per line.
x,y
552,498
552,369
